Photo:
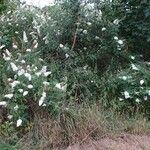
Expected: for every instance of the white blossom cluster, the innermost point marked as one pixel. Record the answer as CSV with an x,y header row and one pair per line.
x,y
23,81
136,85
120,42
22,74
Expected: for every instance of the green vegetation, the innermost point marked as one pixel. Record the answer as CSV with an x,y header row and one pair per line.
x,y
74,68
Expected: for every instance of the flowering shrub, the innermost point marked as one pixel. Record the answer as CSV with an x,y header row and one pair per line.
x,y
60,55
133,87
28,79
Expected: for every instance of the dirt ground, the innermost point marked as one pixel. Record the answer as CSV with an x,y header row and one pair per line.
x,y
119,142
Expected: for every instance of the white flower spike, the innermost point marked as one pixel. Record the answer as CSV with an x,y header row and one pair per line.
x,y
85,32
132,57
120,99
14,83
66,55
46,83
126,94
141,82
47,73
28,50
103,29
8,53
61,45
3,103
16,107
25,39
21,72
9,96
10,117
61,87
25,93
41,101
13,66
20,90
15,46
6,58
23,61
19,122
120,42
145,98
36,45
89,23
137,100
134,67
124,78
30,86
116,21
27,75
2,46
115,38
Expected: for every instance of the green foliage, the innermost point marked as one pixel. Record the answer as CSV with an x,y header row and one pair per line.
x,y
6,5
2,6
134,88
71,53
134,26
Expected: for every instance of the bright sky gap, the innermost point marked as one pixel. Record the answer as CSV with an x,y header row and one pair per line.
x,y
39,3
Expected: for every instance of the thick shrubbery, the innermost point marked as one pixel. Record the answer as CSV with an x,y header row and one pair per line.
x,y
71,53
129,89
134,26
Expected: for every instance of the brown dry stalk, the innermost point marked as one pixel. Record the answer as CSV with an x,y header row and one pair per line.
x,y
88,135
75,37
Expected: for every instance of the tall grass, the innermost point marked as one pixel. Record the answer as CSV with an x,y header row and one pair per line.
x,y
76,125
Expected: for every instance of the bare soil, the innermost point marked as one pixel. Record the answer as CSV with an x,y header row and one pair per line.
x,y
118,142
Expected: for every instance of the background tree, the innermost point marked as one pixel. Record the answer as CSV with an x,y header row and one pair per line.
x,y
134,26
3,5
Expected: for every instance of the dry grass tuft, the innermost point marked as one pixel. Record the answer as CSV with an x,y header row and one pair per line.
x,y
84,124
